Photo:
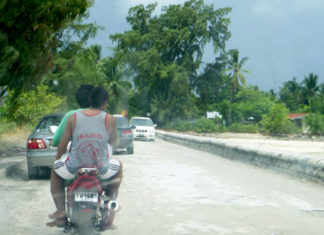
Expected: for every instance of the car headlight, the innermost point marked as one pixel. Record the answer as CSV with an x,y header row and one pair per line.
x,y
151,131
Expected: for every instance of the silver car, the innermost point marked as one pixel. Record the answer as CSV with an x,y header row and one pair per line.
x,y
40,152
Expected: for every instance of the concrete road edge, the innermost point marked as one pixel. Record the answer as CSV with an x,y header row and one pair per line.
x,y
305,167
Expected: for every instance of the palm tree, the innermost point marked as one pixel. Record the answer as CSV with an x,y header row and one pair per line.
x,y
235,75
322,88
273,94
296,90
311,88
119,88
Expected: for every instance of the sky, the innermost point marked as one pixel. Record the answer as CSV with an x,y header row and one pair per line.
x,y
282,38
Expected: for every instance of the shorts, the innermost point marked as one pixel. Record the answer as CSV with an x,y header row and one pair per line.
x,y
60,168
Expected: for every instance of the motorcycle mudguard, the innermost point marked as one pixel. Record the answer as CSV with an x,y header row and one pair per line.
x,y
86,182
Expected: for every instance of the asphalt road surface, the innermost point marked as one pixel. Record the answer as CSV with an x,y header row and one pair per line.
x,y
170,189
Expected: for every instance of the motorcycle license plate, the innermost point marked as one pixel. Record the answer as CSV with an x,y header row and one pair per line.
x,y
86,197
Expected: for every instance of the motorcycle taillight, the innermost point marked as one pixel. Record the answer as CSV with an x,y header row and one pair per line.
x,y
86,172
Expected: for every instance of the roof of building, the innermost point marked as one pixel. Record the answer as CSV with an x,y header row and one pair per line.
x,y
293,116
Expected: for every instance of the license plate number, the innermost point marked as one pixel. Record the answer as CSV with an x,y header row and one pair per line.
x,y
141,135
86,197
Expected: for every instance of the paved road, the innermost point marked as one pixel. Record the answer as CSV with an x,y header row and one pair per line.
x,y
170,189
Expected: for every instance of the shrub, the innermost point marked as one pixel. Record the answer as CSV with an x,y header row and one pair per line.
x,y
242,128
168,125
183,126
277,121
221,128
205,125
315,123
30,106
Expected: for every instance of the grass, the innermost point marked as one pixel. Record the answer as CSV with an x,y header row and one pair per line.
x,y
13,139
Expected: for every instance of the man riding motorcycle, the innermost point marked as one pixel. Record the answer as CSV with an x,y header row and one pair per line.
x,y
90,131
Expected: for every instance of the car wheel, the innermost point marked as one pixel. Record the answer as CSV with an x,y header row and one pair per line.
x,y
33,172
152,140
130,150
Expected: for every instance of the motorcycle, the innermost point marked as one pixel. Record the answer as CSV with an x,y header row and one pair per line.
x,y
85,200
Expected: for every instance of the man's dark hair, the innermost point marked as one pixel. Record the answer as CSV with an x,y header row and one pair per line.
x,y
82,95
98,97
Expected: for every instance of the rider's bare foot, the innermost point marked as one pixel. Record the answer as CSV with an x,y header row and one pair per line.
x,y
58,222
57,214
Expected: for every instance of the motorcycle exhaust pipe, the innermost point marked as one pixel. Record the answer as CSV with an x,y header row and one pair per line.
x,y
113,205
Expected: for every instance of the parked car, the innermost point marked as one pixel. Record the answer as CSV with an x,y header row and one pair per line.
x,y
145,129
40,152
125,134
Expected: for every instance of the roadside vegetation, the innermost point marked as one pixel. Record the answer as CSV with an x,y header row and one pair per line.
x,y
12,138
155,70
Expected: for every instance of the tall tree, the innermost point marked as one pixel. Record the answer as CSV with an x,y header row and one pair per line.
x,y
250,102
73,67
165,52
117,83
296,90
30,33
210,84
311,87
273,94
235,75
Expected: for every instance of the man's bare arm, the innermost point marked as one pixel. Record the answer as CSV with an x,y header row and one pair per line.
x,y
67,135
111,126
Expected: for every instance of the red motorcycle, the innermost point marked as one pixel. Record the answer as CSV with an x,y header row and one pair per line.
x,y
85,203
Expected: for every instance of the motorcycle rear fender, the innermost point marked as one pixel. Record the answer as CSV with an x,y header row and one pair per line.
x,y
86,182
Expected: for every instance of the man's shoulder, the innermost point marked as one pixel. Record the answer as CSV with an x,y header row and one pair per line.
x,y
110,118
69,113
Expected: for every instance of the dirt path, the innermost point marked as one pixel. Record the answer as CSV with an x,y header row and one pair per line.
x,y
169,189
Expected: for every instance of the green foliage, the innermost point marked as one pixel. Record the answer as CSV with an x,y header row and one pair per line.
x,y
205,125
168,125
115,80
315,123
242,128
165,52
68,74
183,126
250,102
3,113
222,108
201,125
235,75
89,68
221,128
211,86
317,105
32,105
277,121
30,34
311,87
296,95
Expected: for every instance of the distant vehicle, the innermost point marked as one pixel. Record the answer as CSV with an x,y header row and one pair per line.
x,y
144,130
40,152
125,134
